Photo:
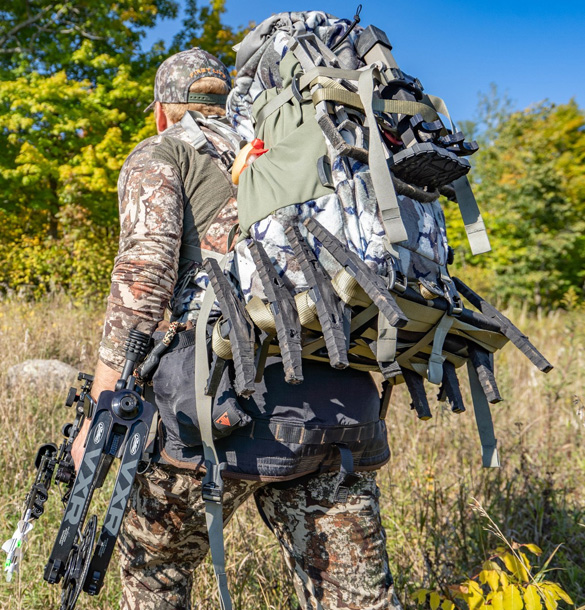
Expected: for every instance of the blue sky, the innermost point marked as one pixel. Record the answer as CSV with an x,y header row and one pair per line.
x,y
531,50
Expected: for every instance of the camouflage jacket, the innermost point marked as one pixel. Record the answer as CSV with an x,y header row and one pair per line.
x,y
169,194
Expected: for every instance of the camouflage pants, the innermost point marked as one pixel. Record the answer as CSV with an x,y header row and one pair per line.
x,y
335,551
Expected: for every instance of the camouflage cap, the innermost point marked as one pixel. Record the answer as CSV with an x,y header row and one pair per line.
x,y
177,73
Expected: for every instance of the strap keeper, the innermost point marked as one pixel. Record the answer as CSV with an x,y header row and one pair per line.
x,y
212,484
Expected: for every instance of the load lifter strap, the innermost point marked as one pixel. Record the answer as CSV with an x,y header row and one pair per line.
x,y
189,123
212,485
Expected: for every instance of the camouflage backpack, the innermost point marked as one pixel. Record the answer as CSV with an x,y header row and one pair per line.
x,y
343,255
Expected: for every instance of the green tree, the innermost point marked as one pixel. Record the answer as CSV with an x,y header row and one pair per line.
x,y
202,27
71,110
530,185
66,141
44,35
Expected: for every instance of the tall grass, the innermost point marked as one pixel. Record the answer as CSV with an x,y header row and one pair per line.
x,y
434,538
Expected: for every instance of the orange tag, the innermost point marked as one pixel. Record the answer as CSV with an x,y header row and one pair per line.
x,y
223,420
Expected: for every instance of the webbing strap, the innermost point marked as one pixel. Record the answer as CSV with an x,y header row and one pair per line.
x,y
386,340
439,105
347,98
474,225
436,359
214,519
356,322
199,139
347,477
315,49
213,509
198,255
404,357
303,56
261,315
307,79
483,419
303,435
381,178
219,345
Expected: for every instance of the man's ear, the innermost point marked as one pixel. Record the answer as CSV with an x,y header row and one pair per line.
x,y
160,118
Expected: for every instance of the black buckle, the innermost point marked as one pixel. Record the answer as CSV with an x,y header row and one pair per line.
x,y
295,86
212,484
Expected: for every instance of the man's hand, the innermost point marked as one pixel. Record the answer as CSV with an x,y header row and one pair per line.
x,y
105,379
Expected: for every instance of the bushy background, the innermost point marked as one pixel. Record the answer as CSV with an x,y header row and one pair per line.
x,y
435,539
74,81
73,84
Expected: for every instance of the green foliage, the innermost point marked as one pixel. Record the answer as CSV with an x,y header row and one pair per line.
x,y
506,581
71,111
44,35
66,142
530,185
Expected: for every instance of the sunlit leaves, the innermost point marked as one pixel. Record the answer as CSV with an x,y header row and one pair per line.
x,y
506,582
70,112
529,180
203,28
47,35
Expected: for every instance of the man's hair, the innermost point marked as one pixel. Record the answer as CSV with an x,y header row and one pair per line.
x,y
209,84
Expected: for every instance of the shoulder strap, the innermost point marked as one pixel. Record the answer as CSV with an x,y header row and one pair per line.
x,y
191,122
212,485
198,255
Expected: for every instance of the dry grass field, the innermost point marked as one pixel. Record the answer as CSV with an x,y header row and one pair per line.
x,y
434,537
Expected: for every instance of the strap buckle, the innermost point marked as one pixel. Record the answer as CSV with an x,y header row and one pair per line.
x,y
212,484
400,282
296,87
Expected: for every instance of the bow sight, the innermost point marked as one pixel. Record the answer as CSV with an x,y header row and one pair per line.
x,y
120,427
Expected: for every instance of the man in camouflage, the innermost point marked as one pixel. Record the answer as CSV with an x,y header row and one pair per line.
x,y
173,194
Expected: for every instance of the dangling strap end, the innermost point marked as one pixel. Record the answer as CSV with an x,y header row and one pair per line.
x,y
347,477
224,596
489,456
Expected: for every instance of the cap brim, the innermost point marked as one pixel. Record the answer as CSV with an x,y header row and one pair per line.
x,y
150,106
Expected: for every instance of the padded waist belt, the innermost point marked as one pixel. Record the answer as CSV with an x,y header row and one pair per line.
x,y
302,435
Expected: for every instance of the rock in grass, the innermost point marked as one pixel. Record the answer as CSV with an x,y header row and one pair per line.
x,y
44,375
